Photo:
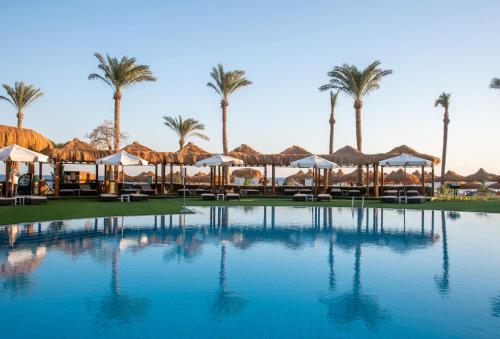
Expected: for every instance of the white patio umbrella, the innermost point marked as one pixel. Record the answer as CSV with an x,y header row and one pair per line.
x,y
121,158
21,154
405,160
219,160
313,161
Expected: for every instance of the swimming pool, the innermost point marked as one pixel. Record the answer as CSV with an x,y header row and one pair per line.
x,y
254,272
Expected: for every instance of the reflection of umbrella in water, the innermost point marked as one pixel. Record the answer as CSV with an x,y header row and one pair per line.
x,y
226,302
443,281
354,305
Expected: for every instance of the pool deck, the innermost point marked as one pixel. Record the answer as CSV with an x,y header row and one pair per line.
x,y
91,207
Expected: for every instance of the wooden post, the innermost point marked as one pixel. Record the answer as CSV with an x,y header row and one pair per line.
x,y
98,188
432,184
56,178
40,177
325,179
375,180
367,180
156,178
382,179
264,185
423,181
171,177
8,175
273,179
162,190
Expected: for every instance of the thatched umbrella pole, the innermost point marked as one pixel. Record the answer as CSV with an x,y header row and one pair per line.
x,y
162,189
171,177
273,178
422,179
432,171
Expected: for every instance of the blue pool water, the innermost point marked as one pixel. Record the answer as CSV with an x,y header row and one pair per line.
x,y
254,273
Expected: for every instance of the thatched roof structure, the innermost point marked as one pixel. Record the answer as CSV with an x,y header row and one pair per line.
x,y
77,151
451,176
199,178
427,175
145,153
337,176
398,177
480,175
299,176
142,177
249,155
189,154
470,186
349,156
295,150
408,150
247,173
24,137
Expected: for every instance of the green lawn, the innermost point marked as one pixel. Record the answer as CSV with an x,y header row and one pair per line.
x,y
80,208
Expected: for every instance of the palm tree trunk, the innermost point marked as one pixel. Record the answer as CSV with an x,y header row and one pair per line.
x,y
181,143
117,97
223,105
359,138
20,117
446,121
332,125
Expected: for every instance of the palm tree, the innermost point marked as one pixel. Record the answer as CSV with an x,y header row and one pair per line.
x,y
444,101
20,97
495,83
185,128
333,103
356,83
225,84
119,74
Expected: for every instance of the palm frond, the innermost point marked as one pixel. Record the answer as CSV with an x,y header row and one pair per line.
x,y
495,83
21,95
225,83
185,128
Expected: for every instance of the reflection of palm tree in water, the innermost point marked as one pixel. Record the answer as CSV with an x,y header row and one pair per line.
x,y
354,305
226,302
331,275
495,306
443,281
117,306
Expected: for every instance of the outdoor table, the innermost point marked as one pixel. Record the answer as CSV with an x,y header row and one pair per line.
x,y
124,197
77,191
309,197
20,200
402,198
220,196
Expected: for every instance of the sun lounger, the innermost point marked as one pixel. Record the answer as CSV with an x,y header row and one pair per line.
x,y
108,197
324,197
138,197
336,192
147,189
299,197
389,199
86,190
419,199
412,193
390,192
35,200
232,196
354,193
208,196
66,191
7,201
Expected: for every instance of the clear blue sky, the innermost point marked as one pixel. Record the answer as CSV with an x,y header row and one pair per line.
x,y
286,48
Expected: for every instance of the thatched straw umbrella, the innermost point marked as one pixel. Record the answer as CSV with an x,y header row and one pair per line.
x,y
480,175
75,151
408,150
337,177
187,155
251,157
141,177
247,173
199,178
24,137
399,177
300,176
427,175
470,186
451,176
152,157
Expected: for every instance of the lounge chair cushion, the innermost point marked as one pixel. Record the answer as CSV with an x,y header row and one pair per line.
x,y
389,199
299,197
324,196
354,193
208,196
36,200
7,201
138,197
336,192
232,196
419,199
108,197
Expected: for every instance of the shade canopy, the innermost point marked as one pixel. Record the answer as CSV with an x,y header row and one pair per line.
x,y
122,158
405,160
480,175
313,161
21,154
219,160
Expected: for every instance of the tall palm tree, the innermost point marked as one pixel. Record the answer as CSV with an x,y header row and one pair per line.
x,y
444,101
333,103
120,74
225,84
185,128
20,97
356,83
495,83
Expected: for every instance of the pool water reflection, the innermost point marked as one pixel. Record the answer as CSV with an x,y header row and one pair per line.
x,y
254,272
